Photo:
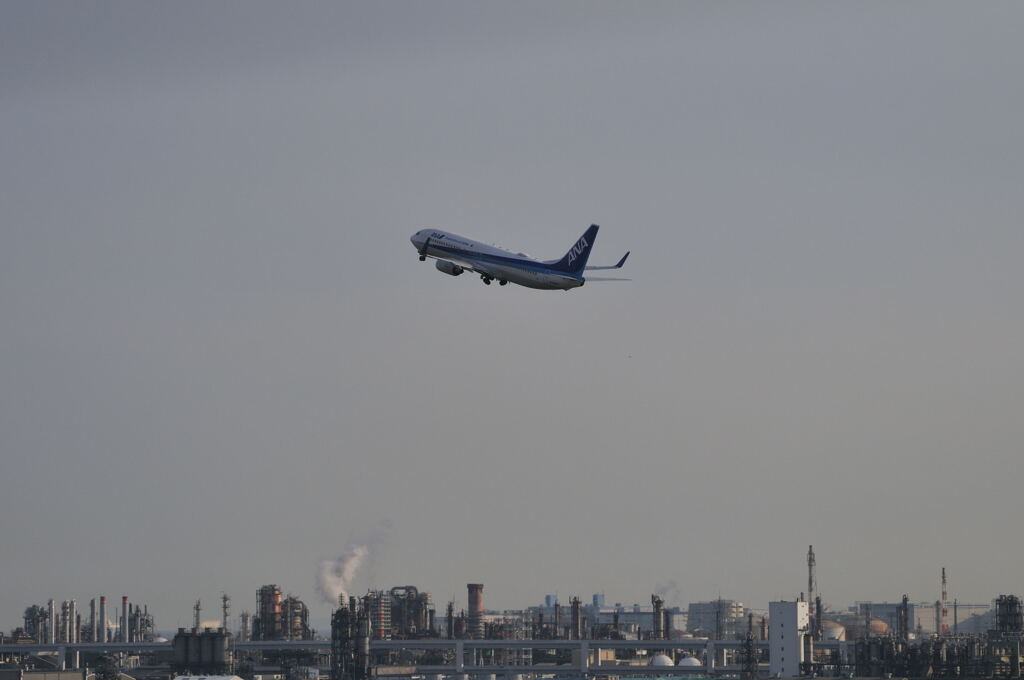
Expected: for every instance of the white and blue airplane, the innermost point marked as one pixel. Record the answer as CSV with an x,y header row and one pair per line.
x,y
456,254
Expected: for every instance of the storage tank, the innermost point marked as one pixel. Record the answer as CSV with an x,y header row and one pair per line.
x,y
833,630
661,660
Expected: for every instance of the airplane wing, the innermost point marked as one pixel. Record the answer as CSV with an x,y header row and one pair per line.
x,y
468,265
614,266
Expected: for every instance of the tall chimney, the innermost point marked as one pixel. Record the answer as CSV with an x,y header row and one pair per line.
x,y
102,632
124,619
656,607
476,610
72,622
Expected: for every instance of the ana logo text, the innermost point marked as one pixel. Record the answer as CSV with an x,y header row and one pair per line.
x,y
578,249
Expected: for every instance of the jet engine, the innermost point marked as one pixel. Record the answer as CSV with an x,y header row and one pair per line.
x,y
448,267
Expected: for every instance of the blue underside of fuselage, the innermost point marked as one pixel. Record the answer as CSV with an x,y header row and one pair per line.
x,y
511,263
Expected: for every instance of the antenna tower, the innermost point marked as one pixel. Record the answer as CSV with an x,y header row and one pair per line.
x,y
749,652
812,582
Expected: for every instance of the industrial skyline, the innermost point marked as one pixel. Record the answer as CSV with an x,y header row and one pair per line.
x,y
407,612
398,633
222,365
280,615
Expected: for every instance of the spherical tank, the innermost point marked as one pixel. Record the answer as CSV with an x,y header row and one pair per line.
x,y
879,627
661,660
833,630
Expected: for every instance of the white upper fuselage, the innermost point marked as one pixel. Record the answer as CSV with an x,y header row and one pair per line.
x,y
492,262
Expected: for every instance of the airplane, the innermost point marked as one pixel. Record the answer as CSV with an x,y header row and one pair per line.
x,y
456,254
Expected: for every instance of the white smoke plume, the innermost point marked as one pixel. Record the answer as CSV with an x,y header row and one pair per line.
x,y
335,578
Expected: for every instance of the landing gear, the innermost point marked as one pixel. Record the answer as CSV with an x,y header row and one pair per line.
x,y
486,279
423,258
502,282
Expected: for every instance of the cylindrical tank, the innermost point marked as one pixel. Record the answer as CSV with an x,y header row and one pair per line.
x,y
195,658
220,650
206,651
180,649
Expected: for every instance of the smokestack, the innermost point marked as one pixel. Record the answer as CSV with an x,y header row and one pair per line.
x,y
103,619
476,610
72,622
656,607
124,619
576,624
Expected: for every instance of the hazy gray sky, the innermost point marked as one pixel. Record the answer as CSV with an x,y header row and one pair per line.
x,y
220,359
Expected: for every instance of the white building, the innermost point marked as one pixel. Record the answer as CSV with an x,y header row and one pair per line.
x,y
787,625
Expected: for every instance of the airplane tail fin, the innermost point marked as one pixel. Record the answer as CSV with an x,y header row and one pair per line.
x,y
575,260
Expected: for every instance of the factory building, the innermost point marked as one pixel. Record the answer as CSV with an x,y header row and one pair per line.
x,y
377,605
295,616
789,623
718,619
634,621
412,613
205,651
280,618
66,623
350,641
921,617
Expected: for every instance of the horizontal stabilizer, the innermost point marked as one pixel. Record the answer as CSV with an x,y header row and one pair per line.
x,y
613,266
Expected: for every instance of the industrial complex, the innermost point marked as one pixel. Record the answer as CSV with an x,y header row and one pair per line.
x,y
400,633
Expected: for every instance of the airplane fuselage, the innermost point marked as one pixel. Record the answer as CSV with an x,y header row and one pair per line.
x,y
461,253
